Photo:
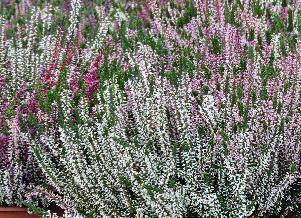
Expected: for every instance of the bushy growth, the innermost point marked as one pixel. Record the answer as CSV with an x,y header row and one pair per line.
x,y
153,109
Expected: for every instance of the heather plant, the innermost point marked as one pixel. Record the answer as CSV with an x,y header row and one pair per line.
x,y
151,109
184,109
25,53
37,45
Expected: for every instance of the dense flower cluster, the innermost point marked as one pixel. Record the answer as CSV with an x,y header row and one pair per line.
x,y
151,109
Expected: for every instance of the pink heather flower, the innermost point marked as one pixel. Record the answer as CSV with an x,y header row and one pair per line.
x,y
32,104
91,82
283,14
73,81
67,5
91,78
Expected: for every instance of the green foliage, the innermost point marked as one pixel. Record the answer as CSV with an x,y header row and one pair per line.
x,y
264,148
31,120
201,130
206,178
205,89
240,91
86,31
251,34
268,71
186,65
293,168
174,77
221,69
11,33
50,97
268,35
5,129
195,93
290,20
258,46
56,3
282,46
299,21
172,183
189,13
233,98
227,86
264,92
251,53
39,29
152,190
278,25
256,8
216,46
10,110
125,182
243,64
225,141
292,42
287,85
240,108
230,14
207,72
